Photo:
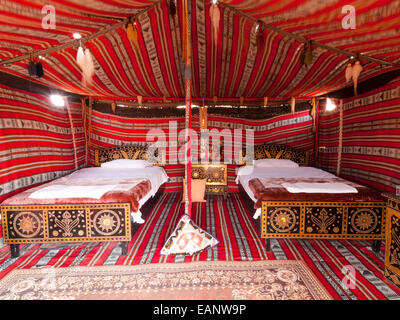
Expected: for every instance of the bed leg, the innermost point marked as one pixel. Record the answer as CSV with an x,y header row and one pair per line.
x,y
376,245
124,247
268,245
14,248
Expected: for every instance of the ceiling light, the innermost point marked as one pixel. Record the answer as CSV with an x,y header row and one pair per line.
x,y
57,100
77,35
330,105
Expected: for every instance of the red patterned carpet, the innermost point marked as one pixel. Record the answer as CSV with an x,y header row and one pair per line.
x,y
347,269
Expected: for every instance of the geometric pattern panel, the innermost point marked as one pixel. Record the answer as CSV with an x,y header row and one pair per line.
x,y
266,151
24,224
282,220
214,174
394,244
323,220
392,252
66,223
365,220
133,152
108,222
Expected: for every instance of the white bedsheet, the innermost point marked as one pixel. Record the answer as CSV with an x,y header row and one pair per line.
x,y
319,187
246,173
57,191
155,174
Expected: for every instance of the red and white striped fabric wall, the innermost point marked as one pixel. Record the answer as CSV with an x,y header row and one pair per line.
x,y
111,130
328,140
371,138
36,143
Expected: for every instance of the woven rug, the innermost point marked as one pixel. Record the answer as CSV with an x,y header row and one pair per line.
x,y
214,280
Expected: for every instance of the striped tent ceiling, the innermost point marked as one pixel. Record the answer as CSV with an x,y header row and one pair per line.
x,y
232,68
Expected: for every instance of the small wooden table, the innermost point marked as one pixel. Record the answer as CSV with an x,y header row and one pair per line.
x,y
215,175
392,253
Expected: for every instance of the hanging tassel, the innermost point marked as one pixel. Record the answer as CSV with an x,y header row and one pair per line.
x,y
357,68
215,17
39,69
313,113
308,55
215,99
349,72
88,70
265,101
172,8
292,104
241,100
131,33
260,37
302,57
140,100
80,57
31,66
85,62
81,60
113,106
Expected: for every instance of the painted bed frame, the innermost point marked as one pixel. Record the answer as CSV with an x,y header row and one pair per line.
x,y
77,222
315,219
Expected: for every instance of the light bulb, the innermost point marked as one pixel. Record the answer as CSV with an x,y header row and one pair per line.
x,y
57,100
330,105
77,35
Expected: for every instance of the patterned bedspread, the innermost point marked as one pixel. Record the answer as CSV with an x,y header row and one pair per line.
x,y
271,189
128,190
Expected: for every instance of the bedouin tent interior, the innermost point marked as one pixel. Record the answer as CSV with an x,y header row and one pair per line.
x,y
200,149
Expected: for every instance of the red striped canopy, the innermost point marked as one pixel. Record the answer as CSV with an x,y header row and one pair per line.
x,y
233,68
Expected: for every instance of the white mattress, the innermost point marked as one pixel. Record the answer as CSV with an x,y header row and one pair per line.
x,y
246,173
155,174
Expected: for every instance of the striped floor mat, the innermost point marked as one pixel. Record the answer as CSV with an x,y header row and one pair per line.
x,y
348,269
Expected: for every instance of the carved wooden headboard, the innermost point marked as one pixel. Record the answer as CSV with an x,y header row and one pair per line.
x,y
133,152
277,151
